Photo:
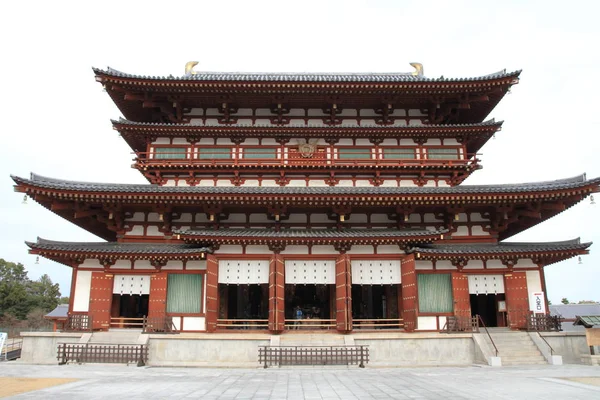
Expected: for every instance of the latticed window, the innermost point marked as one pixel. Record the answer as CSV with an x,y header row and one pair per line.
x,y
443,154
169,153
390,153
258,153
210,153
354,153
435,293
184,293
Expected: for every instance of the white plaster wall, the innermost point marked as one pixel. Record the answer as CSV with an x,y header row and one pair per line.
x,y
427,323
137,230
142,264
122,264
444,264
423,265
389,249
174,264
83,285
195,265
91,263
495,264
477,230
525,263
295,250
361,250
152,230
229,249
137,217
194,324
461,231
324,250
254,249
474,264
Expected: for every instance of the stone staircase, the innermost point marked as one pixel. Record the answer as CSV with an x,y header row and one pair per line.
x,y
115,336
517,348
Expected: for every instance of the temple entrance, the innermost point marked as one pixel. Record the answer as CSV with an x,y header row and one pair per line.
x,y
130,300
243,294
374,302
487,306
310,294
487,299
375,294
129,306
315,301
243,306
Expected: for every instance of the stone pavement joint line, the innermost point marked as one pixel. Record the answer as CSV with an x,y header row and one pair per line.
x,y
105,381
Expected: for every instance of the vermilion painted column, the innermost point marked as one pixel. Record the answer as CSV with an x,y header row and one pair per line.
x,y
101,291
157,300
409,293
460,293
343,293
276,294
212,292
517,299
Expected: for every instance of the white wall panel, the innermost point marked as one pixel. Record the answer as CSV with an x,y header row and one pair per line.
x,y
486,284
131,284
375,272
321,272
243,272
83,284
423,265
427,323
194,324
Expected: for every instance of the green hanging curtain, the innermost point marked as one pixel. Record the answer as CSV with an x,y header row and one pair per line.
x,y
345,153
442,154
435,293
184,293
212,153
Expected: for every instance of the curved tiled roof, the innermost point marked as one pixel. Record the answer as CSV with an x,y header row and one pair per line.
x,y
59,184
311,233
117,248
487,123
502,248
357,77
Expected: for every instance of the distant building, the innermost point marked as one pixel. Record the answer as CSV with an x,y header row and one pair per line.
x,y
338,193
569,313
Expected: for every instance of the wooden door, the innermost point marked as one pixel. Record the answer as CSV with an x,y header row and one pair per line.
x,y
460,294
517,299
101,291
157,304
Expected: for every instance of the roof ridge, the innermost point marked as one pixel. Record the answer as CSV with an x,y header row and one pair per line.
x,y
315,76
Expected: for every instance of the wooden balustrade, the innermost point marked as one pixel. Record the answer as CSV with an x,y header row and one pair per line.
x,y
313,355
102,353
242,323
78,323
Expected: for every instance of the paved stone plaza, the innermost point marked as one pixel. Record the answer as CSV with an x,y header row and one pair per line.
x,y
476,382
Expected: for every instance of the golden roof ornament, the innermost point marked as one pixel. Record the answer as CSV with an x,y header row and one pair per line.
x,y
189,67
418,69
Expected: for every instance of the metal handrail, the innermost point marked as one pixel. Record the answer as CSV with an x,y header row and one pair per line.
x,y
545,341
488,333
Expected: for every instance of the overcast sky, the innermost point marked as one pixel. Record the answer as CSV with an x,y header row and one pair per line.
x,y
57,119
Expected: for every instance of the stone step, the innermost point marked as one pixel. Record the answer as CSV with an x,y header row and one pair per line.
x,y
522,354
115,338
524,362
537,357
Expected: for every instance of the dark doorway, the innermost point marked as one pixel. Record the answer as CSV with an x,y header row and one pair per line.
x,y
314,300
243,301
486,305
129,306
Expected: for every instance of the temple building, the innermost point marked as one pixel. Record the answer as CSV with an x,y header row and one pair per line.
x,y
306,201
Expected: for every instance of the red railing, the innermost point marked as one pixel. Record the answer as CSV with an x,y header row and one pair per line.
x,y
148,159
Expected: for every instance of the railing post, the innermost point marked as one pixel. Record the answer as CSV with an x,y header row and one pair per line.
x,y
362,363
141,362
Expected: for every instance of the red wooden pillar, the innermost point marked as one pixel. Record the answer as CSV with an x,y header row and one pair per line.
x,y
343,294
460,293
409,293
276,294
101,291
212,292
157,300
517,299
